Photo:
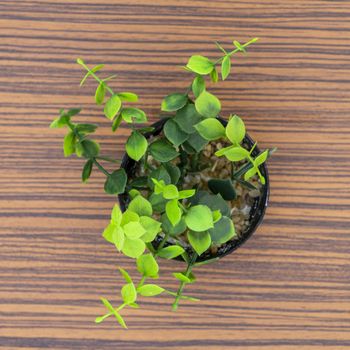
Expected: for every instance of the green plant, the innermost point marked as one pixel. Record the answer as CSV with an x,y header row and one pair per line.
x,y
165,218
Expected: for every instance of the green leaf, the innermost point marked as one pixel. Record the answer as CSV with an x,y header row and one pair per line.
x,y
112,106
216,216
114,312
118,238
234,154
186,194
162,151
109,232
225,67
200,241
207,105
223,187
198,85
136,115
173,212
158,202
139,182
152,228
170,192
199,218
125,275
102,318
210,129
133,230
134,305
196,141
93,70
214,202
200,64
187,117
167,226
170,252
116,182
239,46
214,75
160,174
250,173
173,171
174,102
69,144
116,122
116,215
87,170
136,145
147,266
174,133
141,206
223,231
86,128
261,158
129,216
181,277
133,247
150,290
88,148
128,293
235,130
100,93
128,96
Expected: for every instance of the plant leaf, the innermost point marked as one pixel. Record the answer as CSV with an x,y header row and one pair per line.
x,y
173,212
198,85
208,105
167,226
210,129
112,106
223,187
128,96
170,192
136,115
200,241
141,206
174,102
125,275
187,117
225,67
223,231
100,93
133,230
186,194
150,290
87,170
173,171
261,158
174,133
214,75
200,64
93,70
69,144
235,130
181,277
199,218
152,228
214,202
196,141
133,247
88,148
162,150
128,293
147,266
116,182
136,145
170,252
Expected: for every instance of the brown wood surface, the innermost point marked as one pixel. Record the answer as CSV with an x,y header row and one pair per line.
x,y
288,287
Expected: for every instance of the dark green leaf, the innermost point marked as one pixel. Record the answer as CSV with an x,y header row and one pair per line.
x,y
174,102
223,187
214,202
198,85
162,151
87,170
187,117
158,202
207,105
223,231
88,148
174,133
168,227
173,171
115,183
136,145
196,141
139,182
159,174
116,122
86,128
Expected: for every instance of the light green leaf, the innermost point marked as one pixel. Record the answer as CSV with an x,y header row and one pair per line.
x,y
116,122
102,318
87,170
125,275
199,218
136,145
114,312
210,129
141,206
136,115
69,144
109,232
198,85
216,216
118,238
159,185
200,64
162,151
173,212
128,96
208,105
223,231
133,247
128,293
150,290
100,93
147,266
134,305
187,117
152,228
200,241
239,46
261,158
174,133
213,202
116,215
174,102
133,230
116,182
93,70
235,130
181,277
170,252
214,75
86,128
236,154
186,194
225,67
129,216
112,106
170,192
167,226
250,173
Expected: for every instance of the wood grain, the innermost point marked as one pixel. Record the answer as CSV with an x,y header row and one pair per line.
x,y
288,287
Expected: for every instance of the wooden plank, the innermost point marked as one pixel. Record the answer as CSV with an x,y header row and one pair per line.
x,y
288,286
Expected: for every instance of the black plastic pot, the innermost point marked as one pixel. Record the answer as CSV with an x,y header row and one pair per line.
x,y
257,211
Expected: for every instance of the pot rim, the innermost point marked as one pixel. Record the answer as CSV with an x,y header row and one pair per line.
x,y
257,211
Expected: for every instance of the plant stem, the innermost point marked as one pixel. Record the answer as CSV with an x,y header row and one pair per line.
x,y
100,167
182,284
142,281
164,240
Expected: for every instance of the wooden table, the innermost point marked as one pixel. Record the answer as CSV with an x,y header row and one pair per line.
x,y
288,287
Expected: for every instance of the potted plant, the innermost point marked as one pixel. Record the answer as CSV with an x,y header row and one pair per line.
x,y
191,187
